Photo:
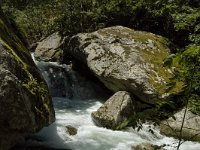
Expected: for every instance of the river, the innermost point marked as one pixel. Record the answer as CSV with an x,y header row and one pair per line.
x,y
75,109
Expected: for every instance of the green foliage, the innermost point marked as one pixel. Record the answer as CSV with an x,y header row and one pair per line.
x,y
194,104
189,72
123,124
177,20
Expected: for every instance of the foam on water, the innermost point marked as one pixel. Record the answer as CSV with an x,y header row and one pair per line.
x,y
77,114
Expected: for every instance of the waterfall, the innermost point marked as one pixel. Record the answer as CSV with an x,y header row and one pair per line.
x,y
64,82
74,99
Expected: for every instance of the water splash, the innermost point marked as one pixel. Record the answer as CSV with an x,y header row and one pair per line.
x,y
77,114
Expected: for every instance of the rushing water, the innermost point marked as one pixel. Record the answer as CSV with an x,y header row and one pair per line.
x,y
75,110
90,137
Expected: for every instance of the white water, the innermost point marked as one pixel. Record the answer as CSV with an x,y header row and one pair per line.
x,y
77,113
90,137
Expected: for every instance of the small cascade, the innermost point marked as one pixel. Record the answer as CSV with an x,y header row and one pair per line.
x,y
57,78
65,82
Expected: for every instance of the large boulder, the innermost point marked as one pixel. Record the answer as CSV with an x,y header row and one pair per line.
x,y
125,59
114,111
49,49
191,126
25,104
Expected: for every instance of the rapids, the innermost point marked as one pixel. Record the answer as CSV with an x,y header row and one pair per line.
x,y
74,108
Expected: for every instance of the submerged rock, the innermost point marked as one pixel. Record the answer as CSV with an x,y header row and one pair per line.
x,y
71,130
25,104
191,127
114,111
49,49
124,60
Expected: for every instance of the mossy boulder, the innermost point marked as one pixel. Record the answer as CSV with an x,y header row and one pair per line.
x,y
25,104
125,60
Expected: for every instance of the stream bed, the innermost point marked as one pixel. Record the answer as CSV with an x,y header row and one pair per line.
x,y
74,99
90,137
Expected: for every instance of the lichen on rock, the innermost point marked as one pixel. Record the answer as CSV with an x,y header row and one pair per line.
x,y
25,104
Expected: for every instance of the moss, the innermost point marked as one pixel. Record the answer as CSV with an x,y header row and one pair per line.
x,y
157,58
9,34
141,36
56,55
159,76
31,81
10,50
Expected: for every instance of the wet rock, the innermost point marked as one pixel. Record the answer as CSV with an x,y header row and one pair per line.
x,y
25,103
124,60
65,82
71,130
191,127
114,111
147,146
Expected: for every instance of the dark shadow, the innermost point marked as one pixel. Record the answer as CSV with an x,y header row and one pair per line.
x,y
46,139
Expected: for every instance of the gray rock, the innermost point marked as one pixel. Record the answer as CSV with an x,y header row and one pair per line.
x,y
114,111
191,127
49,48
125,60
147,146
25,104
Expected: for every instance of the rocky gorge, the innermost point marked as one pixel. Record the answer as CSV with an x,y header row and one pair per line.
x,y
129,64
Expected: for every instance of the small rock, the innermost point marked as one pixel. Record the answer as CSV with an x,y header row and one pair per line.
x,y
114,111
147,146
71,130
